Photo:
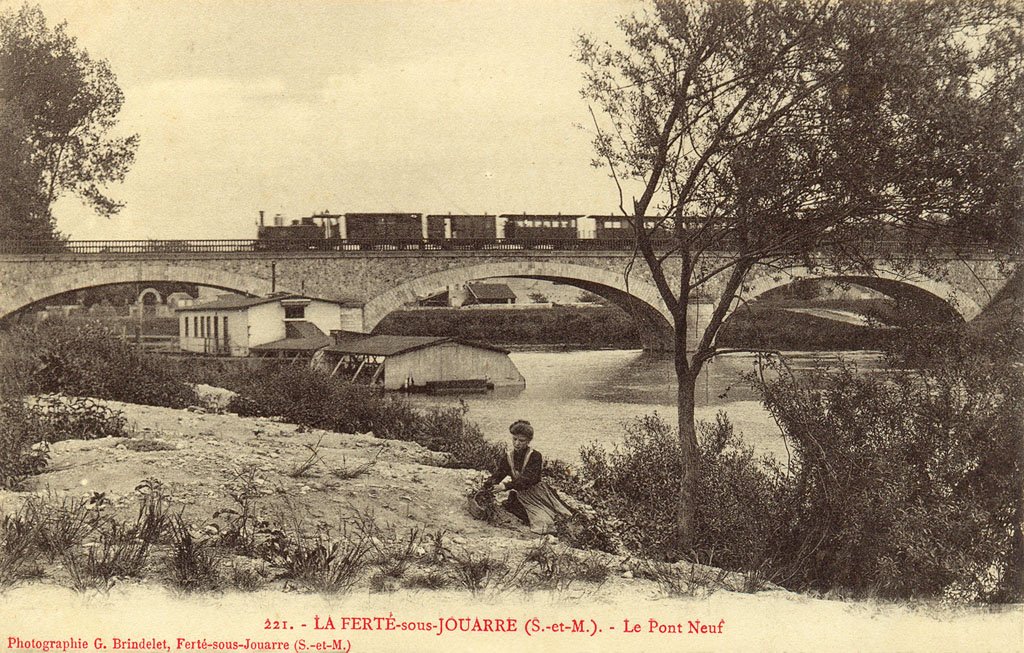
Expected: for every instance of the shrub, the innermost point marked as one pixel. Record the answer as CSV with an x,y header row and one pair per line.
x,y
428,580
480,572
737,495
594,326
447,430
154,518
22,452
587,531
240,525
118,553
61,524
908,484
310,398
58,417
550,569
18,535
143,445
303,396
86,359
193,563
632,481
324,565
392,553
245,579
739,499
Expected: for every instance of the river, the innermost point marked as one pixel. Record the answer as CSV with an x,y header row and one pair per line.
x,y
580,397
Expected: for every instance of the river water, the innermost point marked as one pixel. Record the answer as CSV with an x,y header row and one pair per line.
x,y
574,398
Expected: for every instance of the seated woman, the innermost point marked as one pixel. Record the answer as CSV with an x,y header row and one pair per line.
x,y
530,498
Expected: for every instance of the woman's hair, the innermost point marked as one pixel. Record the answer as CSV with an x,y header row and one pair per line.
x,y
521,427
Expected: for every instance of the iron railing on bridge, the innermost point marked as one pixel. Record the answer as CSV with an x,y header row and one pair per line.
x,y
307,245
273,245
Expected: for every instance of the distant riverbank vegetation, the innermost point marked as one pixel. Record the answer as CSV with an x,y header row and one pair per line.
x,y
764,326
584,327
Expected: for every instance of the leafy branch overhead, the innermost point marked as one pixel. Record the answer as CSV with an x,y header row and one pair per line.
x,y
776,128
59,108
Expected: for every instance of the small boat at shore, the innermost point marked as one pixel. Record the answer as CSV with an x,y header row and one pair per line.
x,y
460,386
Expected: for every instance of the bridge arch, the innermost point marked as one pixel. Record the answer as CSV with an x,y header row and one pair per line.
x,y
886,281
38,290
639,299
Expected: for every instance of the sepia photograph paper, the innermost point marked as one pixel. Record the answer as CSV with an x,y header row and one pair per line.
x,y
422,325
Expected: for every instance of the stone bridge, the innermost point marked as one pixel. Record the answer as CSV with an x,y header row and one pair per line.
x,y
378,282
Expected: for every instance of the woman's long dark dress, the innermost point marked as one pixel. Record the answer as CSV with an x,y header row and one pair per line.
x,y
530,498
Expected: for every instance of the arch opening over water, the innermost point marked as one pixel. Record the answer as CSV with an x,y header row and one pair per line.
x,y
937,295
639,300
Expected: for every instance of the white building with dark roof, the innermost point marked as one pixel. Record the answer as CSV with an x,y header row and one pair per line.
x,y
284,325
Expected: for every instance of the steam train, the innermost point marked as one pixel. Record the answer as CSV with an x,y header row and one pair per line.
x,y
340,231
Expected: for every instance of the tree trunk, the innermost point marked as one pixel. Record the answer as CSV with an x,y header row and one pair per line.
x,y
685,501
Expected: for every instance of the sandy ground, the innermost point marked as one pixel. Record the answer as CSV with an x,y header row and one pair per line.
x,y
405,490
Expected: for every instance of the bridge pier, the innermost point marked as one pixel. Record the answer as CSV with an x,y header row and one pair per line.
x,y
657,336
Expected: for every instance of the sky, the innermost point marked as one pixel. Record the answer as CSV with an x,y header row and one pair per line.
x,y
301,106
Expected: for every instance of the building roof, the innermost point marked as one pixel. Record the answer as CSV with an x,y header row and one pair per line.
x,y
236,302
299,336
490,291
393,345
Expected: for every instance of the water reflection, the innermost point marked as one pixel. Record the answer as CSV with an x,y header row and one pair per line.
x,y
582,397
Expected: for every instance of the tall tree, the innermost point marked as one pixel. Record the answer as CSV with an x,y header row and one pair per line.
x,y
57,108
757,133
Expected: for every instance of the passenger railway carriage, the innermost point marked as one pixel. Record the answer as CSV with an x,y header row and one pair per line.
x,y
438,231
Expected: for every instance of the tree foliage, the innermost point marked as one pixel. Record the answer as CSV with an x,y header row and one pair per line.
x,y
908,484
58,107
757,133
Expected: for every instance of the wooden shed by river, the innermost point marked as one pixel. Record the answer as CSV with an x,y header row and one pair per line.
x,y
417,362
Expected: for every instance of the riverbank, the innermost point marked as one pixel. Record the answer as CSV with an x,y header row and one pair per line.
x,y
213,468
578,327
200,460
762,326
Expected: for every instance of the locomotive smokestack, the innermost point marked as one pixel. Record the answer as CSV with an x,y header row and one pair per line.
x,y
261,218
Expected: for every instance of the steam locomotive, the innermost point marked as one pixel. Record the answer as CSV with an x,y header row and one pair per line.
x,y
340,231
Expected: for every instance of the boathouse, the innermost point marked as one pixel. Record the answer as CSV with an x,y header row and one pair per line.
x,y
489,293
418,362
